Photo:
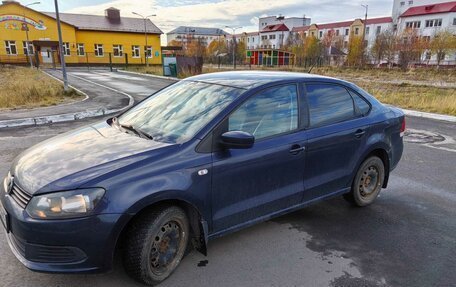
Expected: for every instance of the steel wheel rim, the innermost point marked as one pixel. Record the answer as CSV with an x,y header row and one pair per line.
x,y
165,246
369,181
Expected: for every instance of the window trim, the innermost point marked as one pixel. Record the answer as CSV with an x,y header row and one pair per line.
x,y
97,53
133,49
119,50
9,47
78,46
348,89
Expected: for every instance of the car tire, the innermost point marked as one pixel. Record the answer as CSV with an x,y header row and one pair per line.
x,y
155,245
367,183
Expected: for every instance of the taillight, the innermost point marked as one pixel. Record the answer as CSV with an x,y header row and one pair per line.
x,y
402,127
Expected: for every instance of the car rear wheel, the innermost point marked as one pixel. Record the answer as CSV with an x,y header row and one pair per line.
x,y
367,183
155,245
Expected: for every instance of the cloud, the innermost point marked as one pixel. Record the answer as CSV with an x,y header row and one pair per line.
x,y
218,14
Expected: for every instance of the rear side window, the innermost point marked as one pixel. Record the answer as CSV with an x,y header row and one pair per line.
x,y
361,105
329,104
270,112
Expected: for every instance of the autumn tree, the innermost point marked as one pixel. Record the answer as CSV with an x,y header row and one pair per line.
x,y
313,49
195,48
409,46
384,47
295,45
443,43
216,48
355,51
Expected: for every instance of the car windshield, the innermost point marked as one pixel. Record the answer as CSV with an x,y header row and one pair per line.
x,y
176,113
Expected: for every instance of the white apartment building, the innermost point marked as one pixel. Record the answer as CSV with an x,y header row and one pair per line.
x,y
184,34
427,19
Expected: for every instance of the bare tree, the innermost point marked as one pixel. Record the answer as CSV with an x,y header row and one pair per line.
x,y
443,43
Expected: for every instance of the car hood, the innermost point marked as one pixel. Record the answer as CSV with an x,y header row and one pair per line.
x,y
71,159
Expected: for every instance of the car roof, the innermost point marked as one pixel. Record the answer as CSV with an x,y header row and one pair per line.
x,y
251,79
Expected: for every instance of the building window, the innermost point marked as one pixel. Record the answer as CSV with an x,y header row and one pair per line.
x,y
402,3
148,51
66,48
367,30
337,32
428,55
356,31
135,51
410,2
413,24
454,21
321,34
80,49
433,23
346,32
272,37
117,50
28,48
99,50
379,29
264,37
345,44
10,47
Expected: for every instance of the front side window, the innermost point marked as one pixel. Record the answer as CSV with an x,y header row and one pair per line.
x,y
268,113
329,104
135,51
117,50
10,47
99,52
176,113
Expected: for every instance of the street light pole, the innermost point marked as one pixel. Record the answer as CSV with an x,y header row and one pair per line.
x,y
145,34
364,33
235,44
62,56
27,44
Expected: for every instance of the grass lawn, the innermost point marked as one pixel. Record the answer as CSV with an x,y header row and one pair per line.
x,y
22,87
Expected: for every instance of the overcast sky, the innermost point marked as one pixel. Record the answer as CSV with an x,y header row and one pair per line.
x,y
219,13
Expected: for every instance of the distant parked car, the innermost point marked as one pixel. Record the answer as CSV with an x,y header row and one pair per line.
x,y
201,158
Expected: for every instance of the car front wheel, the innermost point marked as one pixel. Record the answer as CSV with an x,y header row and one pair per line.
x,y
367,183
155,245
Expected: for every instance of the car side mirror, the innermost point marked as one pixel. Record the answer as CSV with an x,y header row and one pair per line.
x,y
237,140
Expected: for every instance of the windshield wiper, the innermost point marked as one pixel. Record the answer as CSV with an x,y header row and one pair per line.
x,y
131,128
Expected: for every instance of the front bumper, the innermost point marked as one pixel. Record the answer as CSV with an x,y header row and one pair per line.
x,y
82,245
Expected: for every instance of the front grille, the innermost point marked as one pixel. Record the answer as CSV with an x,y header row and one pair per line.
x,y
20,196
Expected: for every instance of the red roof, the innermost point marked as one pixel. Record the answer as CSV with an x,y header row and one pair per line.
x,y
430,9
276,27
300,29
379,20
334,25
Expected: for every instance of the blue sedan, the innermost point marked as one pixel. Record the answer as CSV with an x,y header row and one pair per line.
x,y
201,158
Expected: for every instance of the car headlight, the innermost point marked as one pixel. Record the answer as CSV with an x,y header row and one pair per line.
x,y
66,204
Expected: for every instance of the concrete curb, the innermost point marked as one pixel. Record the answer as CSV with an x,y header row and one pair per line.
x,y
149,75
433,116
90,113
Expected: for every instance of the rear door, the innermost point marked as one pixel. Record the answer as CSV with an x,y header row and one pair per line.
x,y
255,182
336,135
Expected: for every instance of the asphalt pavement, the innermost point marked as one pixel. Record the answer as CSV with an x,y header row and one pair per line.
x,y
406,238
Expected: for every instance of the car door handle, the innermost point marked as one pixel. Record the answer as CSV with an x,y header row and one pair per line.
x,y
359,133
295,149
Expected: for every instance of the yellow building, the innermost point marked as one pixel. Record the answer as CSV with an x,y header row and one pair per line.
x,y
86,38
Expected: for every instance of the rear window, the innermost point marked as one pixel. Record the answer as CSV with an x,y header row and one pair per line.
x,y
329,104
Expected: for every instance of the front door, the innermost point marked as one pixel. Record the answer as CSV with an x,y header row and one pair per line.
x,y
46,55
249,184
